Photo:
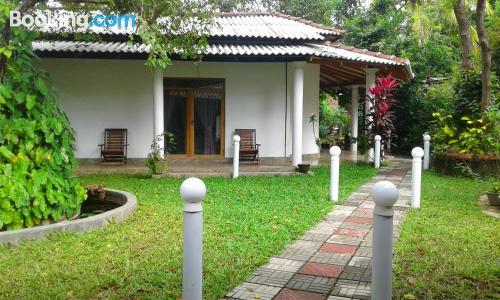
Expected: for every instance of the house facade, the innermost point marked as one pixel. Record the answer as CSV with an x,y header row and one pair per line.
x,y
261,71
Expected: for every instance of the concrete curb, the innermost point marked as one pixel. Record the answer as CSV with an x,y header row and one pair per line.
x,y
117,215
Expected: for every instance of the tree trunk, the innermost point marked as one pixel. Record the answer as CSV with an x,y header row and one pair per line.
x,y
464,25
485,55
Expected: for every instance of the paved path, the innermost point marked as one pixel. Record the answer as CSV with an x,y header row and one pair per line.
x,y
333,259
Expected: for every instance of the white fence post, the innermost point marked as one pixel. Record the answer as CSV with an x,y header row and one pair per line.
x,y
193,191
416,176
427,151
384,194
236,156
376,159
334,173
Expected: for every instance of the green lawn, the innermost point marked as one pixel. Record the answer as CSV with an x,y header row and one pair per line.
x,y
246,221
448,248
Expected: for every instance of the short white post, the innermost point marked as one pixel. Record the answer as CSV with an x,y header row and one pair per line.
x,y
376,159
416,176
236,156
427,151
334,173
193,191
385,194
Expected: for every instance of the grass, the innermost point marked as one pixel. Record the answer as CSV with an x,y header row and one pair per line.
x,y
448,248
246,221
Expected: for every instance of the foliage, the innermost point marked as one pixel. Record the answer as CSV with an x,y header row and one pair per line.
x,y
333,122
37,143
495,188
493,29
245,221
319,11
381,117
157,152
36,139
474,137
467,87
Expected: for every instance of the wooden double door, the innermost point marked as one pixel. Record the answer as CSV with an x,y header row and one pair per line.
x,y
194,113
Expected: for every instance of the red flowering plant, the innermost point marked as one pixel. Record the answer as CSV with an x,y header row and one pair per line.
x,y
381,117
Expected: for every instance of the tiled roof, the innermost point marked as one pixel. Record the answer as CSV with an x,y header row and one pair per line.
x,y
335,51
270,25
238,25
257,34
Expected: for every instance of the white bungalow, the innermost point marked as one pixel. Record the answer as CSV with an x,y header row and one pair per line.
x,y
261,71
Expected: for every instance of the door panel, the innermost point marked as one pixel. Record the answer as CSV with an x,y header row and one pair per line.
x,y
207,122
194,113
175,114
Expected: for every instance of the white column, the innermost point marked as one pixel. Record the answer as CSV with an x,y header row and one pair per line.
x,y
416,176
334,173
193,191
384,194
376,158
158,125
297,112
354,117
427,151
236,155
370,83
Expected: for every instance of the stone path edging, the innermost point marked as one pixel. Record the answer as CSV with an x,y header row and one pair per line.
x,y
333,259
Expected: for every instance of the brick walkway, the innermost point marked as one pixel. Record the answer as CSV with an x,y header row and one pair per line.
x,y
333,259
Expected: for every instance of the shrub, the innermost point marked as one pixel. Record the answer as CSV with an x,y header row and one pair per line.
x,y
381,114
333,122
37,144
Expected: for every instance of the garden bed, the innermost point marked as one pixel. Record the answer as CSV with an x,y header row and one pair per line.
x,y
453,164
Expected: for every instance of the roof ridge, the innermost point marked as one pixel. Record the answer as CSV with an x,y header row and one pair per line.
x,y
284,16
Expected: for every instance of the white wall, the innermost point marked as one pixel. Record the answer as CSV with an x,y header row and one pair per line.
x,y
98,94
255,98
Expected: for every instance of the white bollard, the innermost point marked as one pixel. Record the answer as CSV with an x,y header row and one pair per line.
x,y
334,173
427,151
236,156
193,191
416,176
384,194
376,159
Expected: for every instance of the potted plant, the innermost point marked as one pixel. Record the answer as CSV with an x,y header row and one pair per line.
x,y
494,194
156,160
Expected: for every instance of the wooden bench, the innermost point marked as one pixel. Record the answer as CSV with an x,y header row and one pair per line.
x,y
249,149
115,145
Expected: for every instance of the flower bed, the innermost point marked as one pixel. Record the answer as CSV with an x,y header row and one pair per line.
x,y
449,163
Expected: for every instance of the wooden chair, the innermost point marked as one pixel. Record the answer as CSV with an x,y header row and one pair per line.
x,y
115,145
249,149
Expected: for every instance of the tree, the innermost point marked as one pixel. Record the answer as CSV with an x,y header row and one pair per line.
x,y
344,10
319,11
464,30
485,55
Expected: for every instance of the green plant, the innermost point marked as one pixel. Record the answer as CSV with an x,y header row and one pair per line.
x,y
333,122
36,142
381,116
157,152
477,136
495,188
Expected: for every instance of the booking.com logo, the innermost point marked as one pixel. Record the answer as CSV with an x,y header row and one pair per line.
x,y
76,21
